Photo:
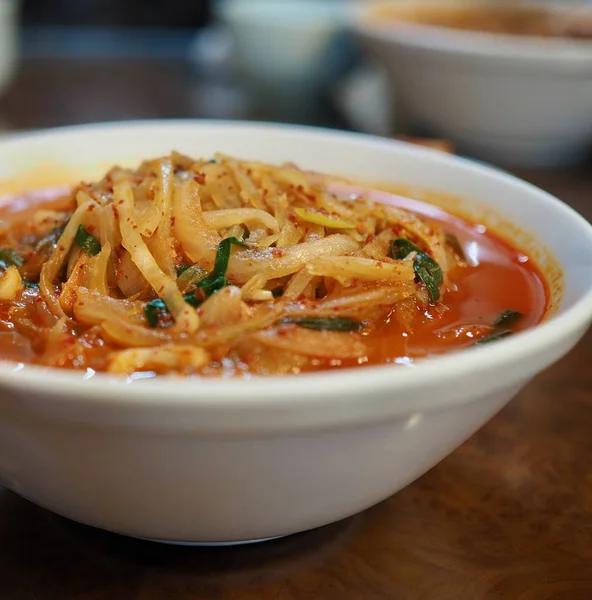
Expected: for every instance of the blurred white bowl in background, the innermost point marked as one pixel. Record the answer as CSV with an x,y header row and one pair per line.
x,y
512,100
280,45
8,40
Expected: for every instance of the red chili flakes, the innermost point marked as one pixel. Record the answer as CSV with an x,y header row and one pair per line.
x,y
172,221
200,178
91,228
90,209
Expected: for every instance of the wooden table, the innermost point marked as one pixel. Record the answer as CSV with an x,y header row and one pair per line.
x,y
508,516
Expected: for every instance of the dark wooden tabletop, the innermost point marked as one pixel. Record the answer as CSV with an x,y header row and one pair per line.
x,y
508,516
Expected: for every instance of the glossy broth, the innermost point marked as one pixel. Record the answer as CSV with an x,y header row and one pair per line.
x,y
499,278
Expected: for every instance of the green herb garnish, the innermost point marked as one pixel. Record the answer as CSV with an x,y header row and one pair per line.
x,y
493,337
157,307
508,318
31,285
501,327
278,292
153,309
453,242
182,270
216,280
402,248
9,258
193,300
427,270
343,324
87,242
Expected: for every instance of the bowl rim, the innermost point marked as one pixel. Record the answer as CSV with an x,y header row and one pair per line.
x,y
473,44
284,391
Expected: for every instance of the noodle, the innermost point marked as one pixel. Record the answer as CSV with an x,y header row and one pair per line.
x,y
194,267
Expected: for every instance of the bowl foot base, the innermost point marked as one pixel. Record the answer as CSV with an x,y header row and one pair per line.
x,y
208,544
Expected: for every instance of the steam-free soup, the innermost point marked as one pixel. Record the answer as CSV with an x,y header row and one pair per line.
x,y
225,267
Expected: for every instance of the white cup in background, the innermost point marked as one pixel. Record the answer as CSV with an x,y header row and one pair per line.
x,y
280,45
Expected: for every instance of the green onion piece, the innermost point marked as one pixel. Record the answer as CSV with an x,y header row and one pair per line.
x,y
10,257
152,310
278,292
87,242
182,270
427,270
31,285
402,248
493,337
508,318
216,280
157,307
193,300
453,242
343,324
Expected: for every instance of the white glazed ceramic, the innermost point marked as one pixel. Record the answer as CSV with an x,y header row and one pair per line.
x,y
510,100
281,46
223,460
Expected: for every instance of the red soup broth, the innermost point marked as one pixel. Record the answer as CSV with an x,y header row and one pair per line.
x,y
500,278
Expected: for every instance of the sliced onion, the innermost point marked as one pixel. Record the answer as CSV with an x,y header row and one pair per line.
x,y
92,308
11,284
223,219
53,266
225,307
165,358
315,344
362,269
164,286
246,263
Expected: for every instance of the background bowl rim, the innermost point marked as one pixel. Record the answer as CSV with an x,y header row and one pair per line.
x,y
472,44
285,391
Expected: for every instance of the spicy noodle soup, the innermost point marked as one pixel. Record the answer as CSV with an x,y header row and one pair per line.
x,y
230,268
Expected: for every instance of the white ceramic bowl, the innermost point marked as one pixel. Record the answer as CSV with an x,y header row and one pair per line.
x,y
511,100
222,460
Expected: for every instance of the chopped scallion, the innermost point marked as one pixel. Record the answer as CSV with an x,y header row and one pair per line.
x,y
427,270
216,280
87,242
508,318
343,324
10,257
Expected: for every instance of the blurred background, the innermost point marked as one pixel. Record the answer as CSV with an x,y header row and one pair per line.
x,y
78,61
94,60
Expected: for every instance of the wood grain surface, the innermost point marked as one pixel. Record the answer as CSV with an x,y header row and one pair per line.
x,y
508,516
